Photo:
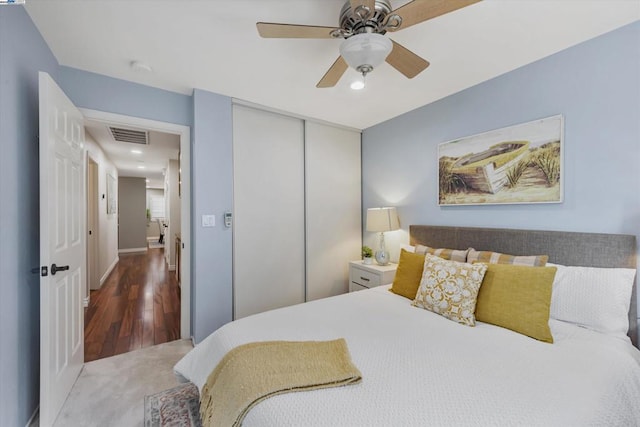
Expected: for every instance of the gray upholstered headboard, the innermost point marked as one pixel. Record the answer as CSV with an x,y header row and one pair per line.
x,y
567,248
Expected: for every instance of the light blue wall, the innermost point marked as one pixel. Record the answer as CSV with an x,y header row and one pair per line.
x,y
596,85
212,189
209,115
23,53
102,93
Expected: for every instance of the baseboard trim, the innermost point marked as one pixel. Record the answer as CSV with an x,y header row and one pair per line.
x,y
109,270
131,250
34,416
85,301
172,267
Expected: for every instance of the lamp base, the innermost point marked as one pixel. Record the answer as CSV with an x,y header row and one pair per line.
x,y
382,257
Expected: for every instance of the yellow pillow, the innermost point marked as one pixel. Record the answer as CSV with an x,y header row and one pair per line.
x,y
517,297
408,274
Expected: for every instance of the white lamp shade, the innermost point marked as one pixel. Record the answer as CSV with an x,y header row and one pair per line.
x,y
366,49
382,219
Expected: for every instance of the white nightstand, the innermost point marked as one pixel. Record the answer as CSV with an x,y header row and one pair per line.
x,y
362,276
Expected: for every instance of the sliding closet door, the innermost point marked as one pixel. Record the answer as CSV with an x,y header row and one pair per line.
x,y
334,208
268,239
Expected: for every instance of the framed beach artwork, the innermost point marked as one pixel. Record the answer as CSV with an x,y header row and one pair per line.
x,y
516,164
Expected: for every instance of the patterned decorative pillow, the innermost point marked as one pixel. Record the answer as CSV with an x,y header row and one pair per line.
x,y
450,254
498,258
450,288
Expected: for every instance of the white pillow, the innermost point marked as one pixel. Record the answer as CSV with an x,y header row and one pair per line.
x,y
595,298
407,248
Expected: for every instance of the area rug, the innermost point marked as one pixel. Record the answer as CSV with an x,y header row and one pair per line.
x,y
178,406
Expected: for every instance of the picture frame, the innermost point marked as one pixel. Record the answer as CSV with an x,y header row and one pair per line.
x,y
519,164
111,194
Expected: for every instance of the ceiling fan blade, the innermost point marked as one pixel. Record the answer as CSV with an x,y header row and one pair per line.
x,y
418,11
405,61
291,31
371,4
332,76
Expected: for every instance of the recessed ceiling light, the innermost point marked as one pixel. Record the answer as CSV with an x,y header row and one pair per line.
x,y
136,151
140,167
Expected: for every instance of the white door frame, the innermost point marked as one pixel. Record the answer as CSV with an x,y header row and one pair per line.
x,y
185,199
92,226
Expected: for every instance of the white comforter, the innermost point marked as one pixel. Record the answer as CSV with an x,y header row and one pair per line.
x,y
421,369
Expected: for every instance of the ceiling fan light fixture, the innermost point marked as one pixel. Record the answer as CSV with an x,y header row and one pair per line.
x,y
358,84
365,51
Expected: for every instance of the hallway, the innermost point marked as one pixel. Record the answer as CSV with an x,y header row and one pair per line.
x,y
138,306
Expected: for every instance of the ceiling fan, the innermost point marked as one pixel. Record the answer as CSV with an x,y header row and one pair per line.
x,y
363,25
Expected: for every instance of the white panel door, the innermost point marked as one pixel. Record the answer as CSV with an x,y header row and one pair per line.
x,y
334,207
268,192
62,246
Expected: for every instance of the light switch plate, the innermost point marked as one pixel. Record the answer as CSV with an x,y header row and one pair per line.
x,y
208,220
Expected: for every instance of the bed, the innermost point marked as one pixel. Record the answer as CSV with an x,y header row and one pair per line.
x,y
419,368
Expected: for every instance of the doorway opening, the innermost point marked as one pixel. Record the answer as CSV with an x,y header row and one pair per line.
x,y
141,296
93,279
137,307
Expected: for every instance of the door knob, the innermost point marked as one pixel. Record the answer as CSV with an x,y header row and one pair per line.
x,y
55,268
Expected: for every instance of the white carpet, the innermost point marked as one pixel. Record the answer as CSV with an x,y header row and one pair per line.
x,y
111,391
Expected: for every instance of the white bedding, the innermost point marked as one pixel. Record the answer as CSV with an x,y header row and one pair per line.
x,y
421,369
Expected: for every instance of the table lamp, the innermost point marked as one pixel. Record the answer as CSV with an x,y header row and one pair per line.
x,y
381,220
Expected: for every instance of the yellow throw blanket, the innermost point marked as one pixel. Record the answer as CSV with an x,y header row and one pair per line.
x,y
253,372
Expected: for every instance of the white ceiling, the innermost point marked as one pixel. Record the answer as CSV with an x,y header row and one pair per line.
x,y
150,163
214,45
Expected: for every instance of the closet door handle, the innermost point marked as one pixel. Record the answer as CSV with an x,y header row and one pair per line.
x,y
55,268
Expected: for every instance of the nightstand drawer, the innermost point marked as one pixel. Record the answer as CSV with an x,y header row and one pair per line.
x,y
365,278
353,287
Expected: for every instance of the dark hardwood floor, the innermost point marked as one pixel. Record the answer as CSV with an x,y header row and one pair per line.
x,y
137,306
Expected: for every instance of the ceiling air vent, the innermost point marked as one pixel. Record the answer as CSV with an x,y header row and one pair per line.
x,y
129,135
